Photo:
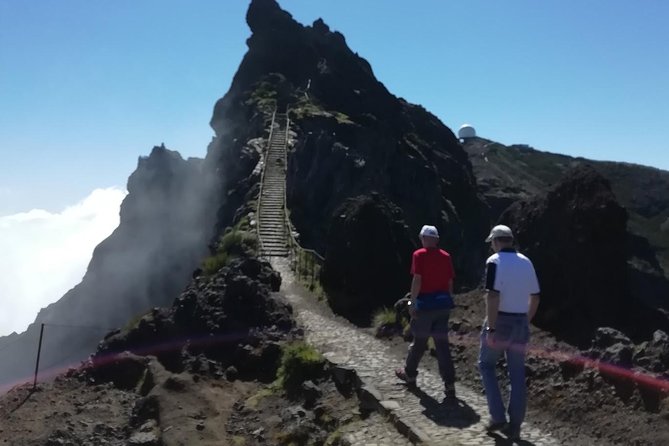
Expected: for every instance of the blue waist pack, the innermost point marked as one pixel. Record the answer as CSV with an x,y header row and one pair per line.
x,y
440,300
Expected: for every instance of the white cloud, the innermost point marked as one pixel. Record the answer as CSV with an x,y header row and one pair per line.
x,y
44,254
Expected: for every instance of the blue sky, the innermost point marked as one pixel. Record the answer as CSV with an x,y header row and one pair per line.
x,y
87,86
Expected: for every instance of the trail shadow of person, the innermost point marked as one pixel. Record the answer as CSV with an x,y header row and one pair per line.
x,y
501,440
457,413
452,413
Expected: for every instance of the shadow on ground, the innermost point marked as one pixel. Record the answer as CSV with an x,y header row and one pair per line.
x,y
453,413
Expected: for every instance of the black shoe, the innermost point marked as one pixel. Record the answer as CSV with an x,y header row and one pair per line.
x,y
512,432
402,374
493,426
449,391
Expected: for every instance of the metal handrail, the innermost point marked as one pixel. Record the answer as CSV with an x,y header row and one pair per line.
x,y
293,245
262,181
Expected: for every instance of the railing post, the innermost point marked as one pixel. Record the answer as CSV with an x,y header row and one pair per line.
x,y
311,256
39,352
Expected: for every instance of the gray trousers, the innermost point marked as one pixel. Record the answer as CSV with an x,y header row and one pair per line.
x,y
431,323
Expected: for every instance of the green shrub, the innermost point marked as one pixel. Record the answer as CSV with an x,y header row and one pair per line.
x,y
134,322
212,264
335,439
299,362
383,316
263,97
236,242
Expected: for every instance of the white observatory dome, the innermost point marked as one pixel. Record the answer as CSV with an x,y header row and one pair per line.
x,y
466,131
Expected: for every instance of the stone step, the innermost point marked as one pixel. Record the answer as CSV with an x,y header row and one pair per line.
x,y
274,234
272,229
272,226
274,243
275,237
275,254
267,243
272,222
283,247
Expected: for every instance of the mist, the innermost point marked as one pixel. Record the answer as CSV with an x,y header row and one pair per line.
x,y
44,254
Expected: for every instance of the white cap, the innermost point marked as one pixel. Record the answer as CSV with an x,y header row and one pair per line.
x,y
499,231
429,231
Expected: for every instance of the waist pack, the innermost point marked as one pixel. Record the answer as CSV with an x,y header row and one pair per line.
x,y
440,300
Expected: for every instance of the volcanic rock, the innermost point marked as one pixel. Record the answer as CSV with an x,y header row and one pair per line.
x,y
369,256
213,318
576,236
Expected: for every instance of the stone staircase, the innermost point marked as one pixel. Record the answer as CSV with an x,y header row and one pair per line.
x,y
272,229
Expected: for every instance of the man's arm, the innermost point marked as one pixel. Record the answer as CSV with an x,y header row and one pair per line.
x,y
415,286
534,305
492,307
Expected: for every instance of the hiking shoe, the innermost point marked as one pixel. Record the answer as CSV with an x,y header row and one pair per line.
x,y
449,391
402,374
512,432
495,426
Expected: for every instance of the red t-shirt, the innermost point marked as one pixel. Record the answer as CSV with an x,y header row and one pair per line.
x,y
435,268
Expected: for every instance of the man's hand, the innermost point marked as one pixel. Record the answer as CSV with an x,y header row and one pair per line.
x,y
412,310
416,282
490,338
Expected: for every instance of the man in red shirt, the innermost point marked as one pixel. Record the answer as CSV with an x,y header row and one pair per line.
x,y
430,307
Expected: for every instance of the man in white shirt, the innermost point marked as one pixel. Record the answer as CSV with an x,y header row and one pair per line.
x,y
512,299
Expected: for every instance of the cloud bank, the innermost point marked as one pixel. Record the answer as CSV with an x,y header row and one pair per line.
x,y
44,254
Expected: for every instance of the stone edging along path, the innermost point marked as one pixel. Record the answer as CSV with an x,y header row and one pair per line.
x,y
418,414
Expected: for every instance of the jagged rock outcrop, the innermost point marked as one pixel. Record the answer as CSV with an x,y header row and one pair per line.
x,y
576,236
369,255
165,224
223,317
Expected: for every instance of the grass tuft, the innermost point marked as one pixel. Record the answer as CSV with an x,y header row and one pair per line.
x,y
299,362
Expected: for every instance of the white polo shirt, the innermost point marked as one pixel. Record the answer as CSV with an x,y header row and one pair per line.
x,y
512,275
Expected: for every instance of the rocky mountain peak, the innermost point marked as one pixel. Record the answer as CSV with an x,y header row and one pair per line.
x,y
266,16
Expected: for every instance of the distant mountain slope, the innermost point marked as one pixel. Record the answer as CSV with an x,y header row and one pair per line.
x,y
506,174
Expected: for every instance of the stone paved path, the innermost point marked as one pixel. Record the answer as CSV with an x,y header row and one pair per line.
x,y
420,410
373,431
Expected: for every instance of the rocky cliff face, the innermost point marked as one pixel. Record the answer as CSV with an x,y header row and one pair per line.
x,y
576,236
368,240
165,226
352,137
